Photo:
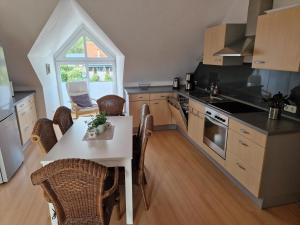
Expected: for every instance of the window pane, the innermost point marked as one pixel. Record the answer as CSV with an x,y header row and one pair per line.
x,y
100,73
93,51
77,50
72,73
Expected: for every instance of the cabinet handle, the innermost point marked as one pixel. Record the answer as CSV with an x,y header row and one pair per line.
x,y
240,166
141,97
155,103
260,62
244,131
162,96
244,144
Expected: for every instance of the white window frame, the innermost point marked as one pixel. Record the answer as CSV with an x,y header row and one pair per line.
x,y
60,59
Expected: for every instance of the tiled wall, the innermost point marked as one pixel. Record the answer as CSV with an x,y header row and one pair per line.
x,y
247,83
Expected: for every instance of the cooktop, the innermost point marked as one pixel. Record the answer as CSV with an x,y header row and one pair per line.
x,y
235,107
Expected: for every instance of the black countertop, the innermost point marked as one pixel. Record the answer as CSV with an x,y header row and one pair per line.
x,y
256,120
20,95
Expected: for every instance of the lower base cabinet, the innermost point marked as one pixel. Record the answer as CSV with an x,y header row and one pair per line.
x,y
26,114
195,125
135,111
158,104
161,112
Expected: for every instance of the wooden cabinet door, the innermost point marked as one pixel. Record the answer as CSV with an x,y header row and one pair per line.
x,y
161,112
277,41
196,126
134,111
214,40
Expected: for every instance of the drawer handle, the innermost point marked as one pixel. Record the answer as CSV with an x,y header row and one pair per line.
x,y
244,131
244,144
162,96
240,166
141,97
260,62
155,103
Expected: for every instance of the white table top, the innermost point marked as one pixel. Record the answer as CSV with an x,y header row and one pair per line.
x,y
71,144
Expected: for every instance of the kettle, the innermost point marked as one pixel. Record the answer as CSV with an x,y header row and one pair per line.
x,y
176,83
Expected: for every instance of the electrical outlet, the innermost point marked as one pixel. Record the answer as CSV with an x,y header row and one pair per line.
x,y
290,108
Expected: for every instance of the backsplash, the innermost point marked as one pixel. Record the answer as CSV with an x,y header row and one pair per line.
x,y
245,83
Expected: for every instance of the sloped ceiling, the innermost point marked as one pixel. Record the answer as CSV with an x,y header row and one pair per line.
x,y
160,39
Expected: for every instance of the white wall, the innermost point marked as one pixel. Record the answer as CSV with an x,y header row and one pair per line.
x,y
160,39
48,82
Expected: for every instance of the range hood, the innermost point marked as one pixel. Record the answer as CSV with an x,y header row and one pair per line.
x,y
245,46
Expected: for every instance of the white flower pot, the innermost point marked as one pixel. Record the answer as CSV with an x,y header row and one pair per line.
x,y
101,128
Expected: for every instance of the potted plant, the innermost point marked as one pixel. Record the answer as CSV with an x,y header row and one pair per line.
x,y
276,104
97,124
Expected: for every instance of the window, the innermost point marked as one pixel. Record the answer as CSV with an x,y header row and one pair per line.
x,y
83,58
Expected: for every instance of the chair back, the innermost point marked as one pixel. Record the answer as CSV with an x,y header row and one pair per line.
x,y
147,131
63,118
43,133
75,187
76,88
112,105
145,110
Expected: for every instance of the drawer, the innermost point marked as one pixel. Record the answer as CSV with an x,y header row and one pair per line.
x,y
25,103
244,173
196,106
248,132
160,96
26,133
24,118
139,97
245,150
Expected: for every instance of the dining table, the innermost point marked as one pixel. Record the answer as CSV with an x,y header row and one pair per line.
x,y
116,152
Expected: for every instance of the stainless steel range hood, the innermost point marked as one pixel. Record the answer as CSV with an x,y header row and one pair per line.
x,y
245,46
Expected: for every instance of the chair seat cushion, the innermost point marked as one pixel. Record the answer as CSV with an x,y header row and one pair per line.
x,y
82,100
93,107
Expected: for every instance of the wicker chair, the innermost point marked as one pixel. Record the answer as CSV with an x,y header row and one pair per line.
x,y
76,88
112,105
43,133
138,162
82,192
63,118
137,139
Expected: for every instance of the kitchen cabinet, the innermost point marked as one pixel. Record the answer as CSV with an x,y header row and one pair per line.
x,y
216,38
135,111
277,41
26,114
196,122
161,112
158,107
244,160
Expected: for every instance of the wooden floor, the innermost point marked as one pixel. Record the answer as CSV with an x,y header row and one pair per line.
x,y
183,186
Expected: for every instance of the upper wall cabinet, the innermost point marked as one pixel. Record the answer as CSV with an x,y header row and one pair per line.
x,y
277,43
216,38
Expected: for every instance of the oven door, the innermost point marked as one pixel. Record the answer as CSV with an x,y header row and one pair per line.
x,y
215,136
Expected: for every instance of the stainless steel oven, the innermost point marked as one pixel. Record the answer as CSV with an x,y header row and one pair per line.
x,y
215,131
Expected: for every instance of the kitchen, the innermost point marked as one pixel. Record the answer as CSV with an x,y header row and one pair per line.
x,y
225,111
224,144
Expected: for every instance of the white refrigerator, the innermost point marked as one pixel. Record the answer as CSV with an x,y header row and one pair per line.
x,y
11,155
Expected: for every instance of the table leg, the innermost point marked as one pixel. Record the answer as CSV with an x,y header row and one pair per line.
x,y
51,212
128,192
